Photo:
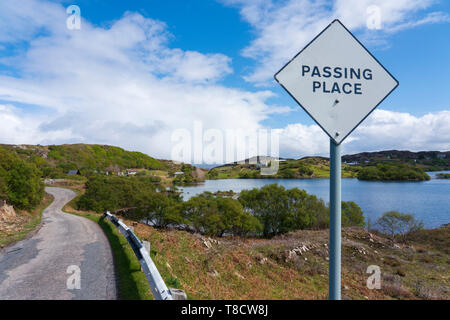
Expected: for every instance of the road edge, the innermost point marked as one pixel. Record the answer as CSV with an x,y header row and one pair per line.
x,y
34,230
131,282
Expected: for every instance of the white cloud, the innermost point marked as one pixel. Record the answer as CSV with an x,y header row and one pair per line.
x,y
354,12
396,130
121,85
124,85
18,127
382,130
433,17
284,27
20,22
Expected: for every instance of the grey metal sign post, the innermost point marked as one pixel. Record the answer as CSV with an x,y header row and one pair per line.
x,y
334,279
338,82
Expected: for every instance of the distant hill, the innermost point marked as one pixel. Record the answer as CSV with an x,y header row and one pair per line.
x,y
426,160
400,165
308,167
55,160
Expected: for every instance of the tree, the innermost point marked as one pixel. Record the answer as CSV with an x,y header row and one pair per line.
x,y
20,181
234,219
352,214
393,223
218,216
193,210
162,210
280,210
112,193
269,205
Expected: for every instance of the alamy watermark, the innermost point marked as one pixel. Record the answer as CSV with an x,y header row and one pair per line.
x,y
73,22
215,146
373,21
74,280
374,280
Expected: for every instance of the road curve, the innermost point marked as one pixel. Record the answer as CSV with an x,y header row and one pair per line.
x,y
37,268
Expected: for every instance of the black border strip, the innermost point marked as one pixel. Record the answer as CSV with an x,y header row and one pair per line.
x,y
337,20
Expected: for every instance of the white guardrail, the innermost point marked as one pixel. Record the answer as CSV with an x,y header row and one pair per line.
x,y
159,288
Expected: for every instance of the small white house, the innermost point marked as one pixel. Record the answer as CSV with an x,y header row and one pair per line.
x,y
131,172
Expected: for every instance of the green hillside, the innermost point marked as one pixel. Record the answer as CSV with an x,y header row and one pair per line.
x,y
309,167
426,160
319,167
56,160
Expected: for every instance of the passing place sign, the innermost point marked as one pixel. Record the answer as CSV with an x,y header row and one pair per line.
x,y
337,81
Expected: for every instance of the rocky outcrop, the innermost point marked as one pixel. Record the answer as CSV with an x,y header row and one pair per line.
x,y
7,212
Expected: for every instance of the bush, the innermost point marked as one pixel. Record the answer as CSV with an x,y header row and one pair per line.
x,y
392,172
20,182
112,193
161,210
352,214
217,216
395,223
280,210
396,290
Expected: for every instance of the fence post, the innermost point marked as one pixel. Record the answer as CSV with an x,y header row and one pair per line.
x,y
146,246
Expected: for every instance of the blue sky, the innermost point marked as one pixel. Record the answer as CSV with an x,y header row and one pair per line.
x,y
419,57
171,63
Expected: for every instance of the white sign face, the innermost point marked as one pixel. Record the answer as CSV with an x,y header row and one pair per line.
x,y
337,81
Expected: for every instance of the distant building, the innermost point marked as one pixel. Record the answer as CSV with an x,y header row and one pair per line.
x,y
179,173
73,172
441,155
131,172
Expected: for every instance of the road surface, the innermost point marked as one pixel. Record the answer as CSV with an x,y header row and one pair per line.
x,y
37,268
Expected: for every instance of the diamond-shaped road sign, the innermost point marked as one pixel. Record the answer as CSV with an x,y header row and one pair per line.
x,y
336,80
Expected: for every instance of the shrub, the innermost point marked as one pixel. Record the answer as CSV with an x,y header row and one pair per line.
x,y
393,223
396,290
112,193
280,210
392,172
161,210
352,214
217,216
20,182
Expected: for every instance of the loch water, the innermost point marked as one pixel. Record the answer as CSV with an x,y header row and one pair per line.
x,y
428,201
